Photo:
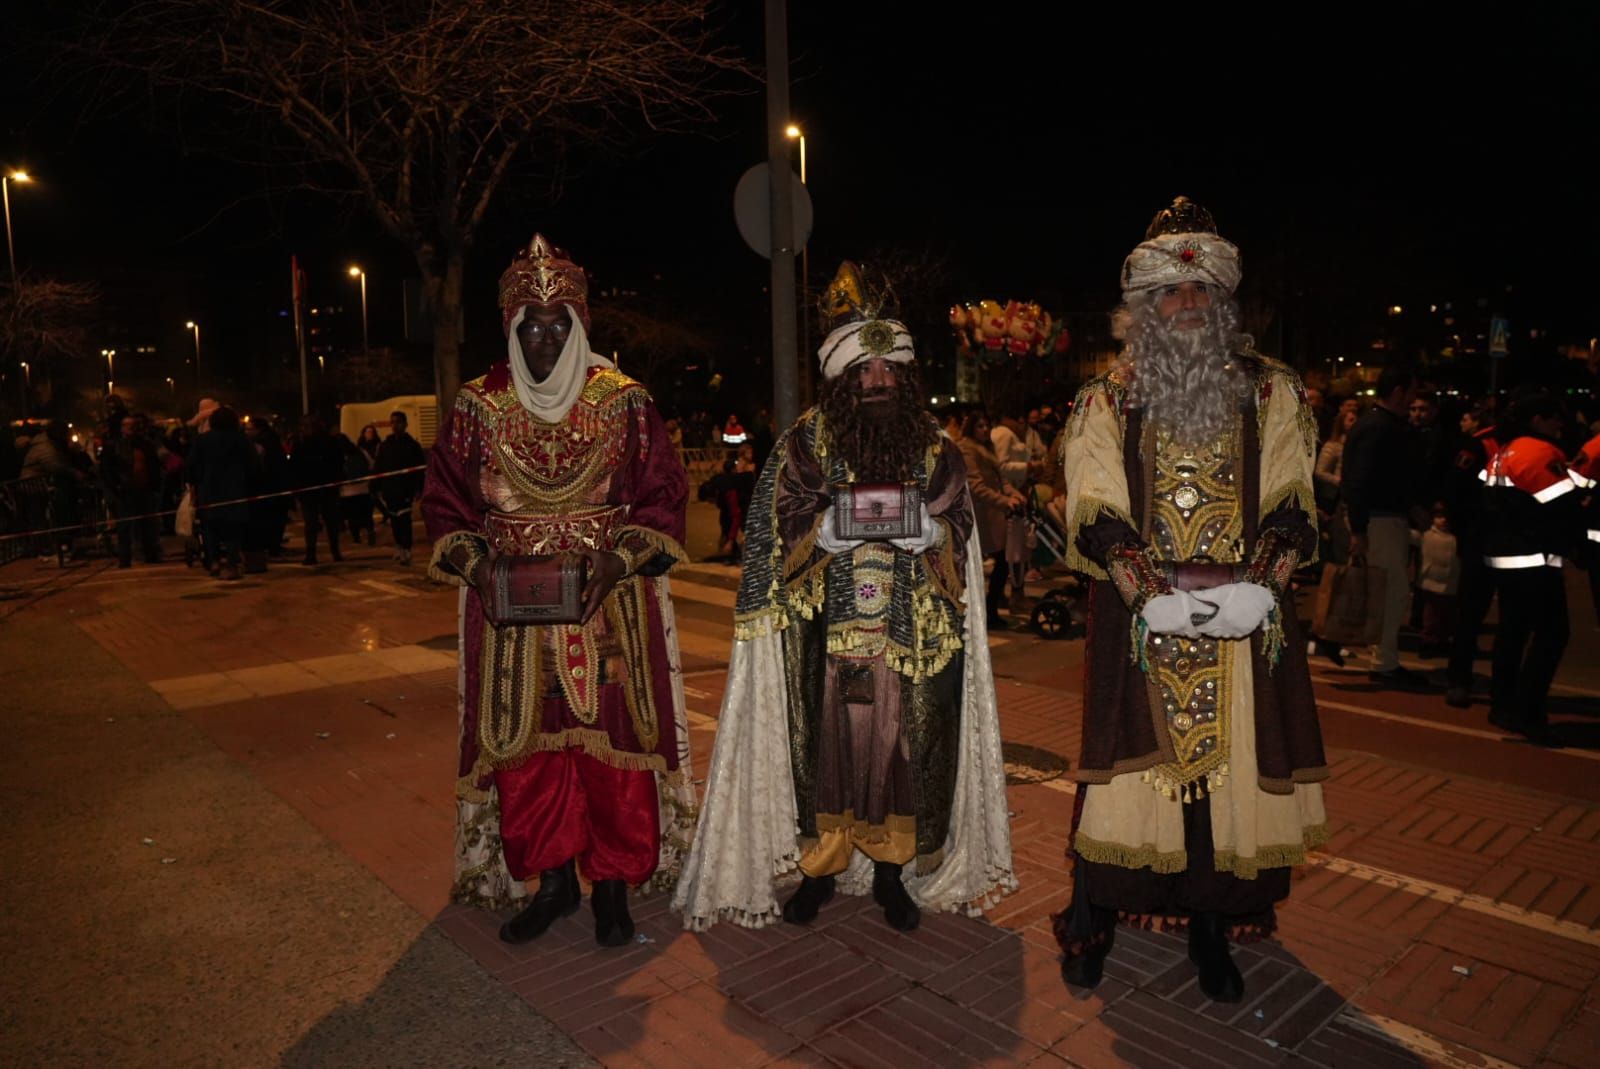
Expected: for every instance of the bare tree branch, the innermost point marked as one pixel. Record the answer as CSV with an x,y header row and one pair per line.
x,y
424,107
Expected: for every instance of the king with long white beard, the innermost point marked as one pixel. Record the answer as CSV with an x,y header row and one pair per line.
x,y
1188,470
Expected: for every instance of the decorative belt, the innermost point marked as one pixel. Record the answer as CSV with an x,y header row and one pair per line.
x,y
524,533
1525,560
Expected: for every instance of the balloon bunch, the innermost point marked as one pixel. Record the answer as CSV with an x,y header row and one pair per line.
x,y
1016,328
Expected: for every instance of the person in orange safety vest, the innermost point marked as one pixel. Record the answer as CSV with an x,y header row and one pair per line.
x,y
1531,514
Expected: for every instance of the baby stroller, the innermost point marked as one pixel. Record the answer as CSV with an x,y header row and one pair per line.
x,y
1062,611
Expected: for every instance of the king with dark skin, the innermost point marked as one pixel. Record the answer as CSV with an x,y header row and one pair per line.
x,y
542,334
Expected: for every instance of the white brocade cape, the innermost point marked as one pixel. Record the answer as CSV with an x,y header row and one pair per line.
x,y
748,838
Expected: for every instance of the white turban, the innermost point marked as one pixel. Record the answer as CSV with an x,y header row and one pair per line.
x,y
1170,259
854,342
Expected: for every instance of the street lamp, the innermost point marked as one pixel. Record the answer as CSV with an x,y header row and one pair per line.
x,y
173,386
192,325
111,370
356,272
5,195
794,133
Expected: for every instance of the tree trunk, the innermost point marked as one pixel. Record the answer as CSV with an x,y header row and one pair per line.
x,y
446,294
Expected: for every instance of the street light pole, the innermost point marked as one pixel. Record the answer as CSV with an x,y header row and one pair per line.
x,y
5,195
785,358
192,325
356,272
794,133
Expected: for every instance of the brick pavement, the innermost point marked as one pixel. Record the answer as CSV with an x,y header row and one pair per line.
x,y
1451,921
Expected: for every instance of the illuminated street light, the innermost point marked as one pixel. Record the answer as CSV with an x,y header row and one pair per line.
x,y
793,133
192,325
356,272
21,178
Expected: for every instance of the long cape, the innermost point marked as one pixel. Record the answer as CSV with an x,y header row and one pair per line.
x,y
748,837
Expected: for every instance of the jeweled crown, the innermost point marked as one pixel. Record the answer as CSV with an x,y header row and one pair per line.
x,y
543,274
1183,217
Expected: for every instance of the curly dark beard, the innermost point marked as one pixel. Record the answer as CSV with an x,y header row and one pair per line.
x,y
883,444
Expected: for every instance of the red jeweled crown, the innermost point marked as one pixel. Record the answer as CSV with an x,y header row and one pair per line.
x,y
543,274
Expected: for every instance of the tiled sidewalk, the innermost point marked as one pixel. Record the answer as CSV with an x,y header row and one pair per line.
x,y
1451,921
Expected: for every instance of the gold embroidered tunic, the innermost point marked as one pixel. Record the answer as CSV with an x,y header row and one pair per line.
x,y
605,477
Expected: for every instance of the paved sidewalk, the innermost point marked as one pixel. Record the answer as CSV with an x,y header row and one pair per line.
x,y
1453,920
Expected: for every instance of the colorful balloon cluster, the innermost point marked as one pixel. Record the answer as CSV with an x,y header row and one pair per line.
x,y
1016,328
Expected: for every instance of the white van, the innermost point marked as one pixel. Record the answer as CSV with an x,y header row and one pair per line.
x,y
422,417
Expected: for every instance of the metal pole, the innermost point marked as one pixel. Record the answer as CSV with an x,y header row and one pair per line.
x,y
807,366
785,355
11,252
365,349
297,300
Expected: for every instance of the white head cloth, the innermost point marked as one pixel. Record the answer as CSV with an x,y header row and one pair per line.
x,y
853,342
549,400
1170,259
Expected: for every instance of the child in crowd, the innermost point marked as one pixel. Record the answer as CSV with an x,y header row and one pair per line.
x,y
1438,573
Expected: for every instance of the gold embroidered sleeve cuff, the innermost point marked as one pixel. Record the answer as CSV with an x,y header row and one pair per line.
x,y
456,556
647,552
1137,575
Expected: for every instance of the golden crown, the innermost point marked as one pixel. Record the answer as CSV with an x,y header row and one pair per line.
x,y
543,274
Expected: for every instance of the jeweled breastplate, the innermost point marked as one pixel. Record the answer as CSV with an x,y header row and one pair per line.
x,y
1196,515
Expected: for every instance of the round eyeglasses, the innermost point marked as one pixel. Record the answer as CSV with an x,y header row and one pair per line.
x,y
535,332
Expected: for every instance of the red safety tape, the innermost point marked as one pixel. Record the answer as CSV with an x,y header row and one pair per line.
x,y
113,521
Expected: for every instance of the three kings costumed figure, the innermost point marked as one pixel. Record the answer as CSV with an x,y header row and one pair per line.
x,y
574,740
858,739
1189,488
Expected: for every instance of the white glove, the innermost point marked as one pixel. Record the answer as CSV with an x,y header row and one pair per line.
x,y
932,534
1174,614
1241,608
828,540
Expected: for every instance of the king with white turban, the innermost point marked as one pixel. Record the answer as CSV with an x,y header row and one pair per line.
x,y
858,741
1188,471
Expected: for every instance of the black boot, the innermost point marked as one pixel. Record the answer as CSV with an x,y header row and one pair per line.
x,y
1088,968
889,891
1220,978
558,895
803,905
613,927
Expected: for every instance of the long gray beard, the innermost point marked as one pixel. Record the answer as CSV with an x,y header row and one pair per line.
x,y
1187,381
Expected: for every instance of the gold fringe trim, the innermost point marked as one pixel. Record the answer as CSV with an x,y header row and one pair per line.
x,y
592,741
475,544
1129,857
1272,857
1296,491
1315,774
655,543
1085,513
795,562
801,599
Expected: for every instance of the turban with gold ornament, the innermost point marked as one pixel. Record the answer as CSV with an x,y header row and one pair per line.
x,y
1181,245
859,329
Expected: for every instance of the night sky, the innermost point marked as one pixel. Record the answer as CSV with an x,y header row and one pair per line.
x,y
1359,156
